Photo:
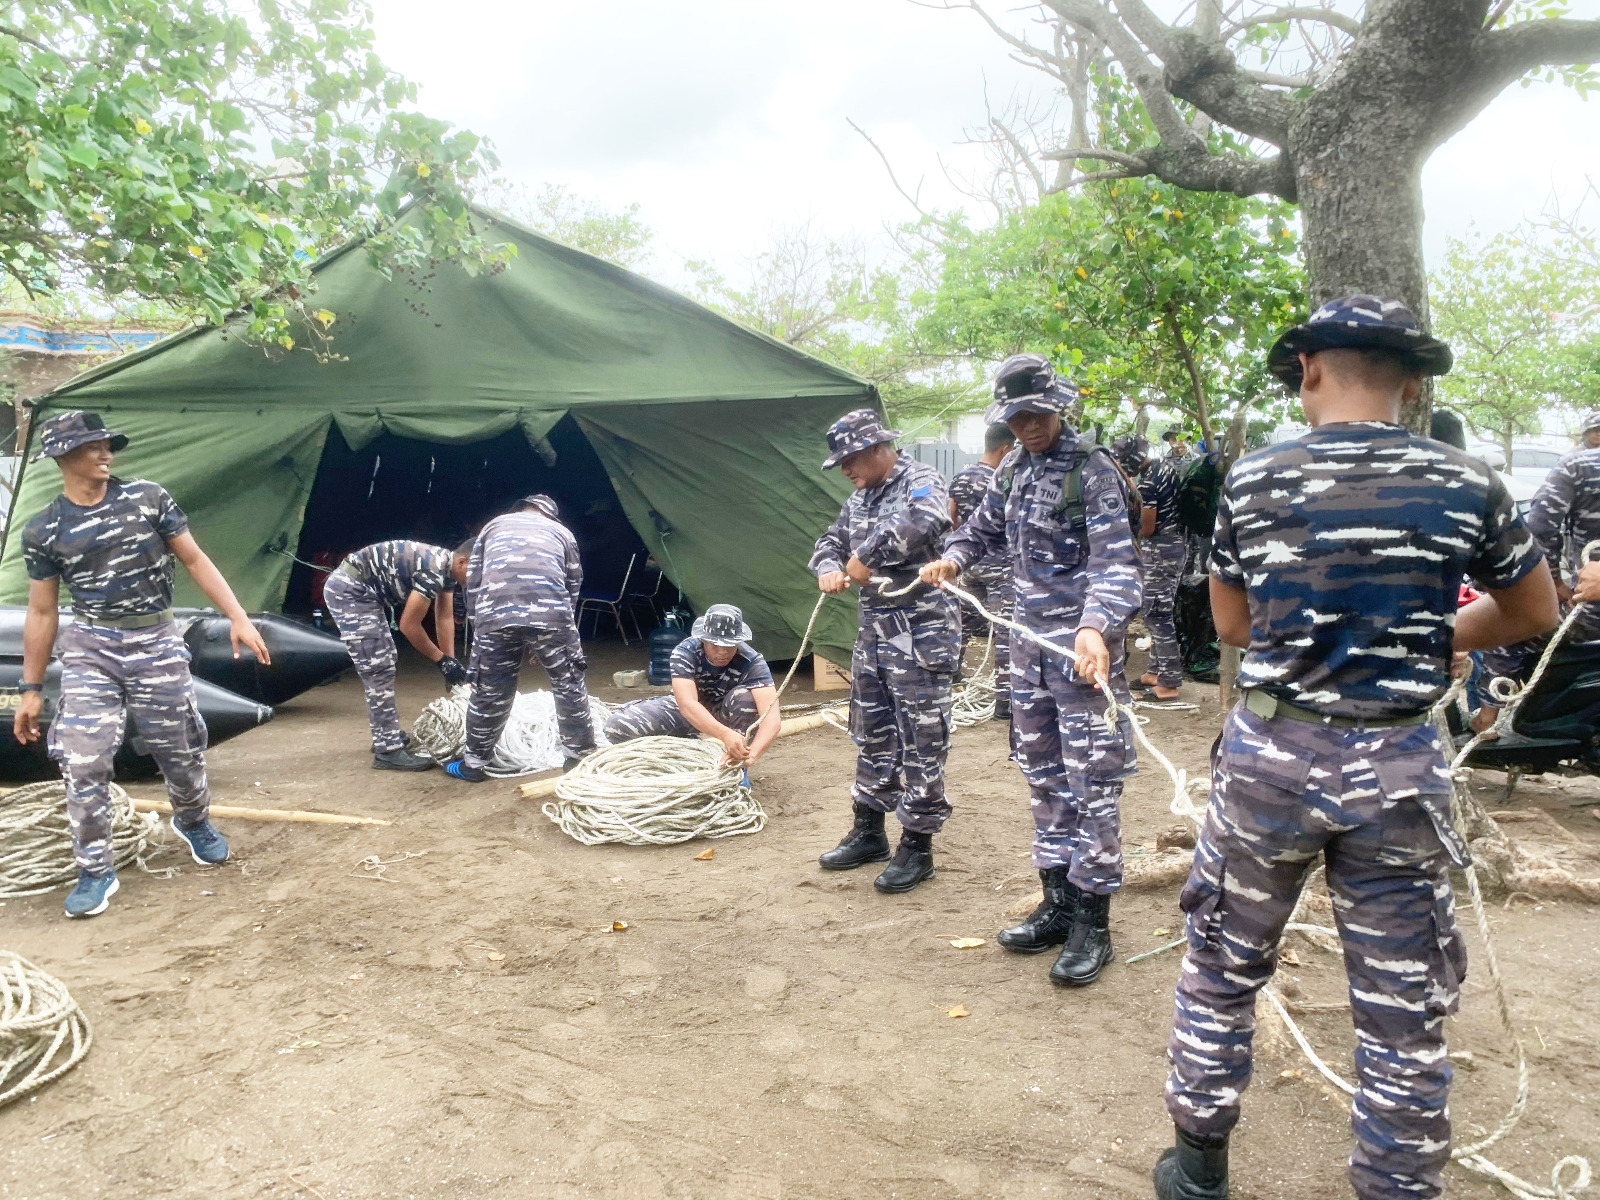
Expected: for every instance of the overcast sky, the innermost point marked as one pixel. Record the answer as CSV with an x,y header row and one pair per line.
x,y
724,119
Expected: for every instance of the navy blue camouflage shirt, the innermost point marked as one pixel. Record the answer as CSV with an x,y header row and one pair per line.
x,y
967,489
1351,542
524,571
1565,511
113,556
396,569
1158,488
1062,584
893,529
745,669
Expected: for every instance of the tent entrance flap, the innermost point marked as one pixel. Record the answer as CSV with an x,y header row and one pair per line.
x,y
443,493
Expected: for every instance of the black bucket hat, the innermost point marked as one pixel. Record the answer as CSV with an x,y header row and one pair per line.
x,y
1355,323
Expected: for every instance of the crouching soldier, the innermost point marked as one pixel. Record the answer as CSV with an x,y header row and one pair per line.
x,y
907,647
1337,563
720,687
410,577
1058,507
523,580
112,542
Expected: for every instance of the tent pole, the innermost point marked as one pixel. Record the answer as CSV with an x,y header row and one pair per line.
x,y
22,469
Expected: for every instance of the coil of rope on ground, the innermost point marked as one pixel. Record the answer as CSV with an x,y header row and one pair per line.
x,y
43,1032
36,838
1571,1174
972,700
531,740
657,791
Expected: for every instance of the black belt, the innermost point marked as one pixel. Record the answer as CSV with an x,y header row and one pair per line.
x,y
142,621
1268,707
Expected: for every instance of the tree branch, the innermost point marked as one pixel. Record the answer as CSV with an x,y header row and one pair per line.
x,y
1269,79
1556,42
1116,156
1326,16
894,179
10,31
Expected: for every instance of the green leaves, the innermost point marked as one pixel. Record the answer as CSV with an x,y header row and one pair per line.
x,y
136,170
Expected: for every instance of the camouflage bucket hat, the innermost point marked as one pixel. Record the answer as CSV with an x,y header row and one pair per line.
x,y
1358,322
66,431
722,625
1028,383
1591,420
1132,453
540,503
855,431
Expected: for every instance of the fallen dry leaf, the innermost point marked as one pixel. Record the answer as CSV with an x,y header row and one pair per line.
x,y
618,926
966,943
1162,932
358,975
705,856
495,956
1290,957
959,1010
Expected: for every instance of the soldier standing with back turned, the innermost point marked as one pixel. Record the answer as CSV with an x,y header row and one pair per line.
x,y
990,579
1338,561
1058,506
1164,549
906,653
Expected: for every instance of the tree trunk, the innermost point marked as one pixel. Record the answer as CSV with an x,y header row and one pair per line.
x,y
1361,209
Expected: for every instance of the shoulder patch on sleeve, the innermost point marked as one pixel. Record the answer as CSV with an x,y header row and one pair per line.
x,y
919,493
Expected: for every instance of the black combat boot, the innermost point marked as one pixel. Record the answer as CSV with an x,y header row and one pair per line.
x,y
1088,946
1196,1168
1050,923
912,863
1002,709
866,842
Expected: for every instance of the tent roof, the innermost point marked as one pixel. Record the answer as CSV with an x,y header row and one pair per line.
x,y
562,329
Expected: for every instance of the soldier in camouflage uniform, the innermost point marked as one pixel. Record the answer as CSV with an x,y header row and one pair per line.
x,y
112,541
720,687
1058,508
1338,561
410,577
523,580
906,652
989,580
1164,548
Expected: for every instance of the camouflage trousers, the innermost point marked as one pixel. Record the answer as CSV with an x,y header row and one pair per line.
x,y
1163,570
1074,763
901,674
992,584
106,676
364,629
658,716
1285,791
497,656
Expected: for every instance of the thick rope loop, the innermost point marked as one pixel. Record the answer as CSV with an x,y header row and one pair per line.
x,y
36,839
43,1032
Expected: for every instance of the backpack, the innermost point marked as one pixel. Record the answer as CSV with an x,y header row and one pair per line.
x,y
1071,503
1198,489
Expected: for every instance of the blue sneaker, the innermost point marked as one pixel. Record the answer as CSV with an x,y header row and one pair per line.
x,y
92,894
207,845
458,769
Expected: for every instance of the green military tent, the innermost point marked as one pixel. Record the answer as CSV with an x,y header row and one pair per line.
x,y
660,426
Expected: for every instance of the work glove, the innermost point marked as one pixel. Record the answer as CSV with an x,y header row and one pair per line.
x,y
452,670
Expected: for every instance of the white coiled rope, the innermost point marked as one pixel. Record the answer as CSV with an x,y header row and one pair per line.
x,y
43,1032
972,700
36,838
530,742
1571,1174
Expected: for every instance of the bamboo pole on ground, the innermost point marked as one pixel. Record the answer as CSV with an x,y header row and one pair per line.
x,y
290,815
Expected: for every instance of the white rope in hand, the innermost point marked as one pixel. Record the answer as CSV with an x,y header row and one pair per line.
x,y
1571,1174
36,838
43,1032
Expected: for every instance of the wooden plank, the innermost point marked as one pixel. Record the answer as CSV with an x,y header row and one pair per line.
x,y
291,815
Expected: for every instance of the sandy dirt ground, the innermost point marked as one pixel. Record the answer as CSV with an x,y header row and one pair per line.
x,y
472,1025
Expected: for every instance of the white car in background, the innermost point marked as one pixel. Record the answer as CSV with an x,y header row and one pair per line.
x,y
1529,466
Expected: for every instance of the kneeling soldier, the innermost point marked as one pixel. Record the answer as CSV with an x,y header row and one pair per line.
x,y
720,687
1337,562
112,541
907,648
